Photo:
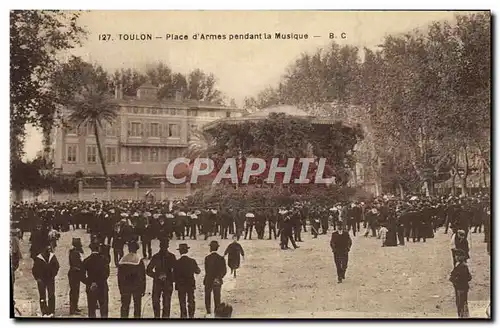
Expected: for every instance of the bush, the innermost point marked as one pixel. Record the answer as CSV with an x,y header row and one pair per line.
x,y
252,196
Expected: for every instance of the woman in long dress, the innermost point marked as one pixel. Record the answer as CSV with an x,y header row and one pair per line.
x,y
233,251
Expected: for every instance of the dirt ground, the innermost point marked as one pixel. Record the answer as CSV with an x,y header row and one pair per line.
x,y
404,281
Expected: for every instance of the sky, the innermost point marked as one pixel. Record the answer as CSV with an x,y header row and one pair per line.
x,y
242,67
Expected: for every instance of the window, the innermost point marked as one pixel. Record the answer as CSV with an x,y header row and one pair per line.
x,y
175,153
135,129
228,114
90,130
154,154
111,155
173,131
71,151
135,155
211,114
91,154
163,155
154,130
71,130
110,130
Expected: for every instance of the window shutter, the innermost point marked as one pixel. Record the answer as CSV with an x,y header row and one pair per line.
x,y
147,129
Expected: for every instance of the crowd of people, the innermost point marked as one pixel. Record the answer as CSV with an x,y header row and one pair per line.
x,y
114,224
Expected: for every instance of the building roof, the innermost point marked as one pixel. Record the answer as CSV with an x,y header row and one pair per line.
x,y
169,102
264,113
285,109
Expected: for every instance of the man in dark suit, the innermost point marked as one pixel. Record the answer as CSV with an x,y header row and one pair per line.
x,y
341,245
161,269
95,272
75,275
215,270
184,272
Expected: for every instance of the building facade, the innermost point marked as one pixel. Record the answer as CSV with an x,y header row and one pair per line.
x,y
146,135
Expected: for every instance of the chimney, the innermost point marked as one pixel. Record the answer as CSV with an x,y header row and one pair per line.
x,y
178,96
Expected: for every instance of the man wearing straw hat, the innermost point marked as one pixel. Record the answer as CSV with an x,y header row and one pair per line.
x,y
215,270
184,271
45,269
131,280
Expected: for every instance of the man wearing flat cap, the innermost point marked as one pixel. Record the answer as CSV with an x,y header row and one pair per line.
x,y
215,270
75,275
184,271
161,269
131,280
95,272
460,277
459,241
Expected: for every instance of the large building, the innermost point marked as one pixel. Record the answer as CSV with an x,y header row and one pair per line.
x,y
146,135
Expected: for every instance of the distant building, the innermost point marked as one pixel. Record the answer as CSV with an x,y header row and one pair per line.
x,y
147,134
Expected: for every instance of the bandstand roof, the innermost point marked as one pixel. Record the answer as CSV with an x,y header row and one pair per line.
x,y
264,113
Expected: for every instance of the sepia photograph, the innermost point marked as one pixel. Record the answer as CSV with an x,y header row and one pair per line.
x,y
284,164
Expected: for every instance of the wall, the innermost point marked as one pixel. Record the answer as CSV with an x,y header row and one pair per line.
x,y
90,194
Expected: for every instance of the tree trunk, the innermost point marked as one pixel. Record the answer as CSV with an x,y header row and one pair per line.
x,y
401,191
99,150
466,172
426,188
453,186
464,185
18,195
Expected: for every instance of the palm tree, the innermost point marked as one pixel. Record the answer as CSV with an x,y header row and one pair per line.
x,y
92,107
199,145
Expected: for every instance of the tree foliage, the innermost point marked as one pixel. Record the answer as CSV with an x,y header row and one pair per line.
x,y
36,38
197,85
425,94
281,136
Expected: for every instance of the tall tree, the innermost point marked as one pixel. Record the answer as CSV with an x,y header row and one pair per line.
x,y
86,89
36,38
202,86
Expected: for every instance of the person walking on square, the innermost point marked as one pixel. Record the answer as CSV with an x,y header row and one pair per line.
x,y
460,277
95,272
75,275
45,269
131,280
458,241
184,271
161,269
341,245
233,252
215,270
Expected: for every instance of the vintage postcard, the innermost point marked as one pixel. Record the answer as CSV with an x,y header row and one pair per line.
x,y
250,164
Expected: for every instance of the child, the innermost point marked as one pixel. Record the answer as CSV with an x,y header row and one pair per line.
x,y
383,234
233,251
460,277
